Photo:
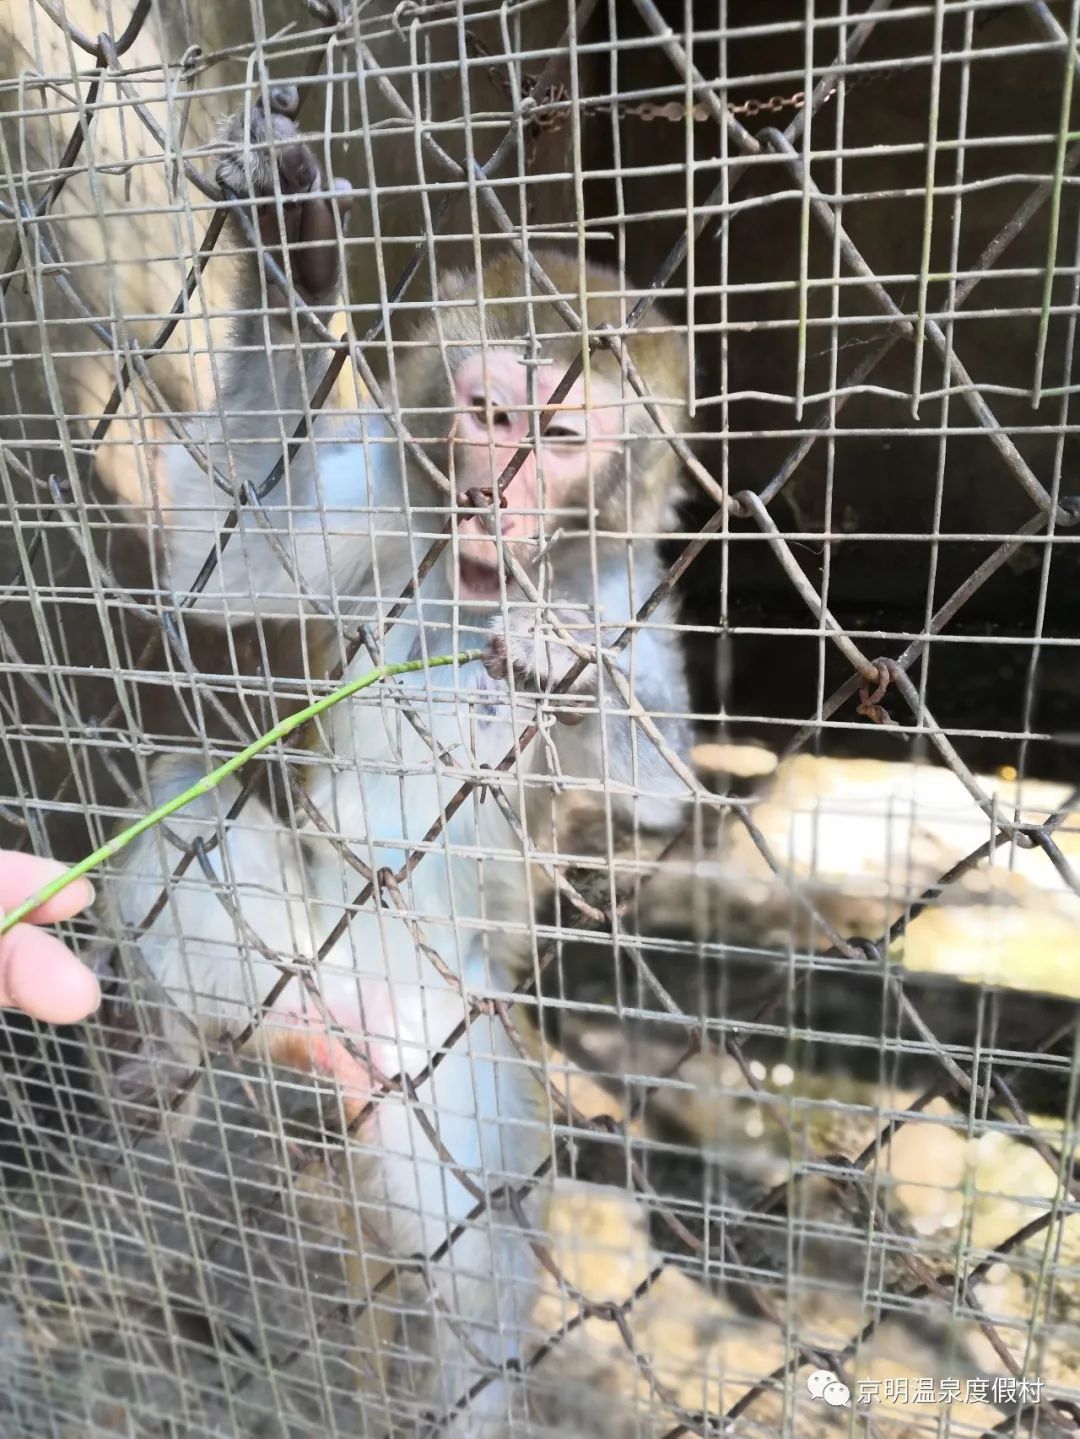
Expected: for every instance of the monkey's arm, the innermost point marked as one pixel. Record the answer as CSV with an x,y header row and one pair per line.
x,y
606,742
303,509
202,945
645,787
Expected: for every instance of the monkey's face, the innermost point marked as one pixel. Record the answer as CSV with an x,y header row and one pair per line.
x,y
497,413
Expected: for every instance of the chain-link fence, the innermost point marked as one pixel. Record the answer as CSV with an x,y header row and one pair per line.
x,y
651,1009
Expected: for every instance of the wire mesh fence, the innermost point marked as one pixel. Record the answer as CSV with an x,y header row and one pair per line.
x,y
651,1010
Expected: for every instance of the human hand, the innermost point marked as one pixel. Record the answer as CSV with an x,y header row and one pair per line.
x,y
38,973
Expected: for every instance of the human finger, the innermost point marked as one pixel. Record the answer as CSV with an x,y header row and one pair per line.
x,y
41,976
22,874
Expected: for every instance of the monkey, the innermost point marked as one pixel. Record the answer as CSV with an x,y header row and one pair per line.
x,y
397,1016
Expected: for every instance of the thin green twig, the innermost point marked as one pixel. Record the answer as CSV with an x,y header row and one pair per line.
x,y
210,781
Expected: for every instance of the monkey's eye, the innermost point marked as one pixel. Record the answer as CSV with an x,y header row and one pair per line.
x,y
562,435
500,418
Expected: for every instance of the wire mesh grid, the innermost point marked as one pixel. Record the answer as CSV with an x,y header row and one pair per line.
x,y
545,1043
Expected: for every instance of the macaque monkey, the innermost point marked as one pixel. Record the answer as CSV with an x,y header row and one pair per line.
x,y
353,514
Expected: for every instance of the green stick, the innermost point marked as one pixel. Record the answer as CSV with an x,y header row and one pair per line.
x,y
213,779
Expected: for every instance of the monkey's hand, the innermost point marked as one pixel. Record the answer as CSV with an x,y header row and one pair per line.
x,y
540,657
265,159
327,12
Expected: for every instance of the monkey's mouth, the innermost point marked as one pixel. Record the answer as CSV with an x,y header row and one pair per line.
x,y
477,580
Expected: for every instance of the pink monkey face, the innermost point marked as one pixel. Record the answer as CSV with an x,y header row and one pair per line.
x,y
491,394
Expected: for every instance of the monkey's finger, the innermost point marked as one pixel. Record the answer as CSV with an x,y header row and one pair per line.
x,y
318,233
41,976
298,168
496,658
22,874
285,100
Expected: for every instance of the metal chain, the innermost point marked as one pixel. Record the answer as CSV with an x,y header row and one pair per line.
x,y
552,108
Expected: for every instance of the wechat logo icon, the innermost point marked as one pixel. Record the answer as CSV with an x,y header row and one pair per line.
x,y
824,1384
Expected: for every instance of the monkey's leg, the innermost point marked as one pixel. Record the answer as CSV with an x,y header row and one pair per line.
x,y
468,1314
